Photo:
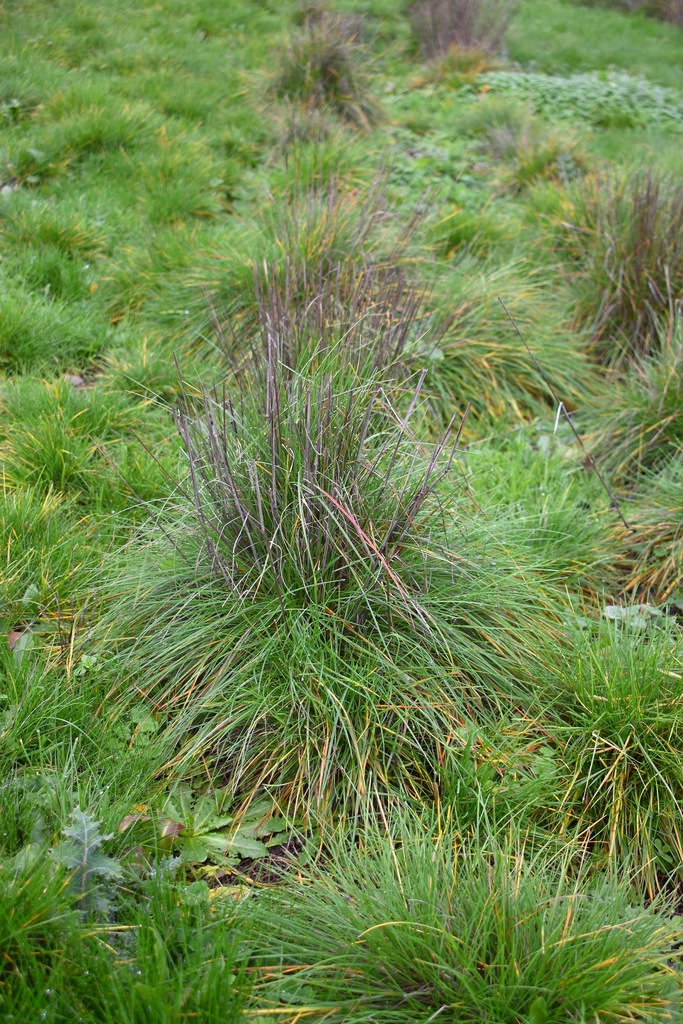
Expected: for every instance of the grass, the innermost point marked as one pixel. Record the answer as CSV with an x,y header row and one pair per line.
x,y
656,557
462,24
551,512
640,427
476,355
566,37
160,968
305,708
326,65
310,505
400,928
626,241
78,440
617,705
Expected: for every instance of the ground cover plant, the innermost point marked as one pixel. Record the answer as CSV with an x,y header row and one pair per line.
x,y
340,511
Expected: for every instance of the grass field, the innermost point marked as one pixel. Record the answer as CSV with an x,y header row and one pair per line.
x,y
341,524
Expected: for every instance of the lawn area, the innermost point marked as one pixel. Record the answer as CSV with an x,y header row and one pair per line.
x,y
341,523
562,38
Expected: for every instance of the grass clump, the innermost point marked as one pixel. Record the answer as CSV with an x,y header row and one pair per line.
x,y
327,65
620,736
373,318
228,647
178,185
473,353
535,155
37,334
638,424
461,66
411,925
465,24
74,125
319,244
172,953
548,508
531,152
337,631
624,239
657,544
43,554
78,441
35,912
36,224
465,230
492,114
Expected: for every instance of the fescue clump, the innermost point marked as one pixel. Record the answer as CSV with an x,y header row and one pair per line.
x,y
637,421
35,915
326,65
489,116
670,11
549,510
464,24
531,153
51,959
296,127
618,765
39,333
307,619
39,225
474,355
312,462
408,925
462,66
338,222
463,231
369,319
656,544
535,154
76,440
39,547
624,240
323,244
73,125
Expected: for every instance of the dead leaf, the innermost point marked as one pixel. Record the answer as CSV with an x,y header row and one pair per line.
x,y
130,819
171,828
14,635
233,892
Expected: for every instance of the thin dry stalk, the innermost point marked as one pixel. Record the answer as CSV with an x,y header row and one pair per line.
x,y
308,504
369,319
343,258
